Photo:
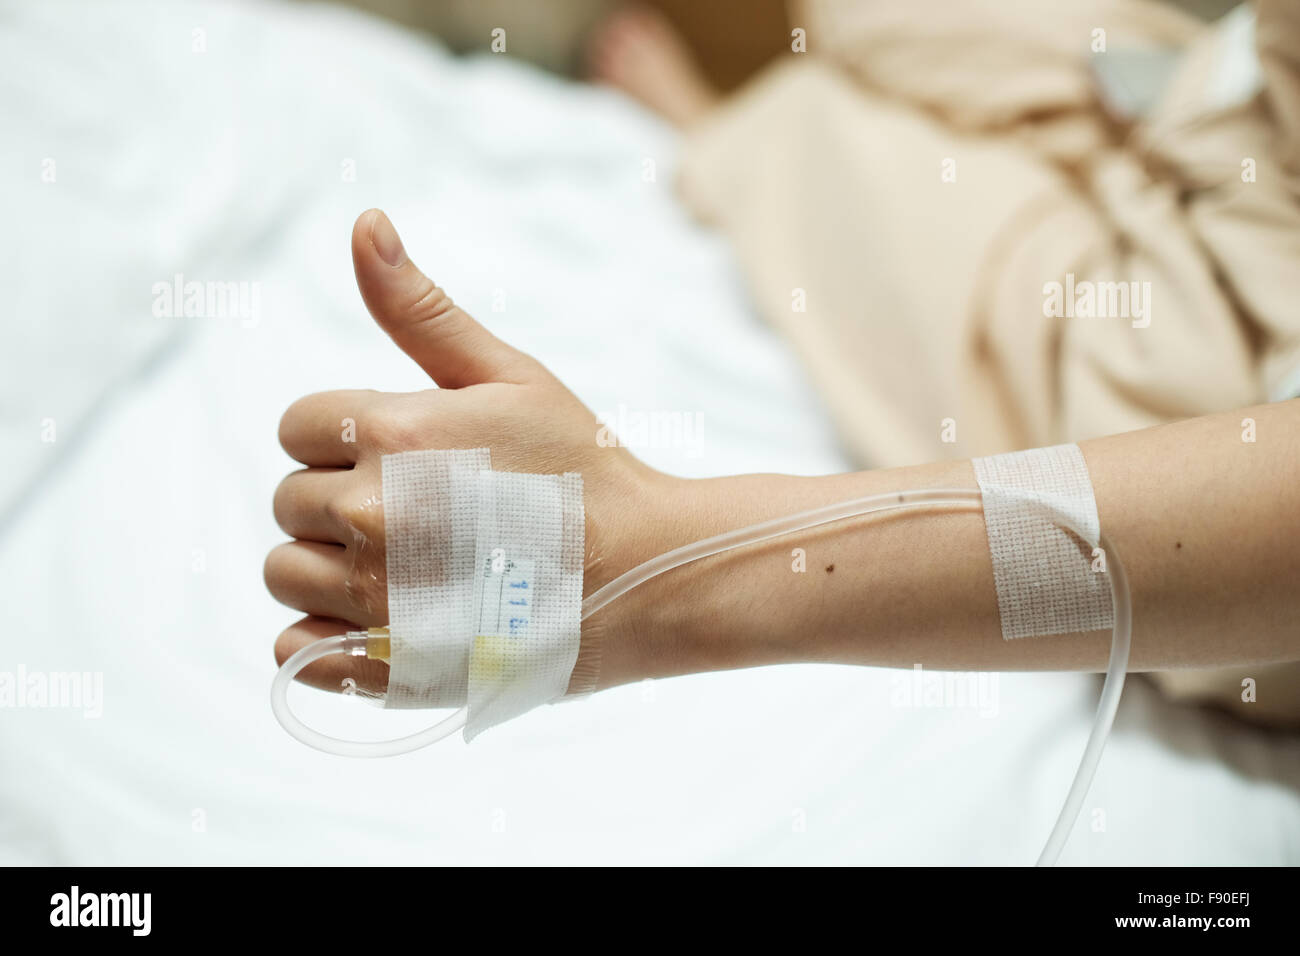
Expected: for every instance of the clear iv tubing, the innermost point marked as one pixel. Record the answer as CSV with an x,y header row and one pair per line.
x,y
966,498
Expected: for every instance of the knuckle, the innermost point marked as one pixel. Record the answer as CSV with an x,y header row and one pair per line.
x,y
368,522
395,428
365,588
359,514
384,434
342,511
428,302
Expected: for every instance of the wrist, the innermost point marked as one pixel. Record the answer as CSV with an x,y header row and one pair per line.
x,y
682,621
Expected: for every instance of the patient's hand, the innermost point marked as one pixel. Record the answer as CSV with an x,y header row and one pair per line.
x,y
490,395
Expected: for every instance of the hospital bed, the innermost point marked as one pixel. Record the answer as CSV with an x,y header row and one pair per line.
x,y
236,143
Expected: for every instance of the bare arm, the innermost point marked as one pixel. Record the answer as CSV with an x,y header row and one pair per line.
x,y
1208,526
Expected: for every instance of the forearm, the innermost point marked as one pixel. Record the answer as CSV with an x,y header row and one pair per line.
x,y
1207,525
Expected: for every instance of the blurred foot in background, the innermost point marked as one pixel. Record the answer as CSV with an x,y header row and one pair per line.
x,y
637,50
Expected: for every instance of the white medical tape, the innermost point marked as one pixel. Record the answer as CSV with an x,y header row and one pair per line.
x,y
528,592
1048,581
485,577
430,532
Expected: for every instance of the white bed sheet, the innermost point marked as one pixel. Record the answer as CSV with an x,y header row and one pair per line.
x,y
132,545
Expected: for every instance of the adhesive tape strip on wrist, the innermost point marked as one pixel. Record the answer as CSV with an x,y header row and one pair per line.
x,y
485,574
1046,578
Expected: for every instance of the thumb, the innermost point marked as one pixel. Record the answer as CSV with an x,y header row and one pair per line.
x,y
444,341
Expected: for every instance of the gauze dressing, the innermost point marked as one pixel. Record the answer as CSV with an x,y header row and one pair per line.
x,y
1044,573
484,584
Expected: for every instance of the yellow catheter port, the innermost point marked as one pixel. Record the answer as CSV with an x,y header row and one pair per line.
x,y
379,646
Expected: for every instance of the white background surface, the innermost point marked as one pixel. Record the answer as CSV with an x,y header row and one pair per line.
x,y
133,544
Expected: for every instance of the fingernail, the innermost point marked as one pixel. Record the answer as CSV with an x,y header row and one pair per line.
x,y
386,241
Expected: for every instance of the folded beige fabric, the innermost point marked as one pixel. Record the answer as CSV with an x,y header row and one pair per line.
x,y
923,294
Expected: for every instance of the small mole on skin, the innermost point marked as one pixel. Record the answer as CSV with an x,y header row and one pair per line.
x,y
1178,545
900,498
830,568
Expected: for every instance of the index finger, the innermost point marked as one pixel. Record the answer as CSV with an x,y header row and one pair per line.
x,y
321,429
